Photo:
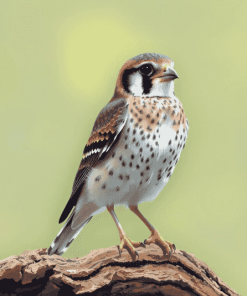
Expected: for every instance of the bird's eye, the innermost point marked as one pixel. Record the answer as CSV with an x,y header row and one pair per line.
x,y
146,69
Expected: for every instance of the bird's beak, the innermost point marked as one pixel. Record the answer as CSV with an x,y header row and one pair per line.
x,y
169,74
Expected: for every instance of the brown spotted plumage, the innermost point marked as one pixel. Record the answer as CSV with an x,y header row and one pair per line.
x,y
131,153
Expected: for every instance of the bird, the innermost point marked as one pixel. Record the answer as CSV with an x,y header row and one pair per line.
x,y
134,146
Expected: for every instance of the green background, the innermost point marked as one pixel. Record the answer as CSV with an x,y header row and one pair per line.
x,y
59,62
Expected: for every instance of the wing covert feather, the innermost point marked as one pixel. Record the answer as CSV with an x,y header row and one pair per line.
x,y
105,134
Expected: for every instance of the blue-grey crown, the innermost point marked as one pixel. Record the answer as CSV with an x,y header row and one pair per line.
x,y
150,56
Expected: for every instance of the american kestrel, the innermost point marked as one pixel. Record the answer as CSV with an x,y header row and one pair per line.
x,y
131,153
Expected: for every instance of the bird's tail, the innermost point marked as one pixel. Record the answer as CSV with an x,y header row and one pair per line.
x,y
66,236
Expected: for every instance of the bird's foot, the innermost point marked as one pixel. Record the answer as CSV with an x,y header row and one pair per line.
x,y
156,238
130,245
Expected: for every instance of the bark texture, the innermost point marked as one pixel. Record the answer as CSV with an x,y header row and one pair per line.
x,y
104,272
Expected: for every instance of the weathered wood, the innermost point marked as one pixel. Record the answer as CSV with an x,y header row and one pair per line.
x,y
103,272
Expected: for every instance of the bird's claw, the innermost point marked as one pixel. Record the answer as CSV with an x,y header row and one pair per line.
x,y
128,244
157,239
143,244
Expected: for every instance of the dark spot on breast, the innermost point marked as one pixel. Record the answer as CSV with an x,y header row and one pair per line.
x,y
152,121
128,130
130,164
131,110
134,131
134,139
143,138
117,189
176,138
134,103
126,146
137,144
132,156
164,160
142,174
154,137
141,132
123,163
151,149
148,136
125,138
120,177
120,158
136,125
168,174
97,178
137,166
141,150
152,155
136,115
158,114
103,186
139,119
113,154
110,172
148,168
147,160
148,115
170,150
156,143
131,120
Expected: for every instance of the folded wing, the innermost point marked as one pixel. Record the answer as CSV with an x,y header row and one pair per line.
x,y
105,134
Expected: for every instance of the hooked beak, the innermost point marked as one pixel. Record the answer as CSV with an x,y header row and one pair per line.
x,y
170,74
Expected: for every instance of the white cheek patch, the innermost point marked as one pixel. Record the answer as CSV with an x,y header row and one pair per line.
x,y
135,84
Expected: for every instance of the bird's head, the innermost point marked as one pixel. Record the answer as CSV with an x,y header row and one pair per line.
x,y
147,75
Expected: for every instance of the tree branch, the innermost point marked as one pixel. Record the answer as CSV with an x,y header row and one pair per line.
x,y
103,272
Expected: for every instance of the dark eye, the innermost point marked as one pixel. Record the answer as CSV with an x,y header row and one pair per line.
x,y
146,69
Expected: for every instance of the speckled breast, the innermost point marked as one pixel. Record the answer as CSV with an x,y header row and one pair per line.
x,y
154,137
143,160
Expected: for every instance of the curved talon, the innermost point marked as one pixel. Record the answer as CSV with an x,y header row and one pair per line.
x,y
174,247
137,254
170,254
144,241
120,252
143,245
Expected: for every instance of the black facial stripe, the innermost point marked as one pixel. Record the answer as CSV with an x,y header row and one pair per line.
x,y
146,84
125,79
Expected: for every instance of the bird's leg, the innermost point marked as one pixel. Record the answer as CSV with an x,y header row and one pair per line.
x,y
125,242
155,237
